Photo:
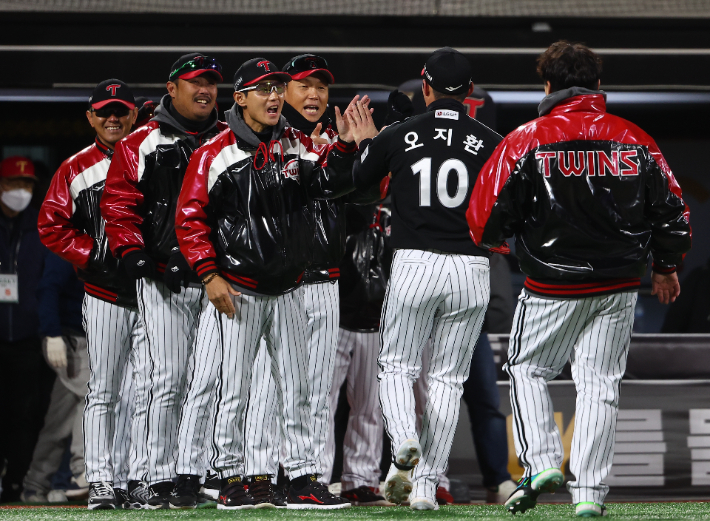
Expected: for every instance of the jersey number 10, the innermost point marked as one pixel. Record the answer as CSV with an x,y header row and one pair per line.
x,y
423,167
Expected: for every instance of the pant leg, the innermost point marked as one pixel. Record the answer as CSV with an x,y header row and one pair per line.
x,y
170,320
454,336
197,419
122,435
541,341
323,310
52,441
263,437
286,340
488,425
362,447
138,452
108,332
598,365
343,354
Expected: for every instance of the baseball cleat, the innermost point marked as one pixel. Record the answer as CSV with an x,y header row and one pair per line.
x,y
101,496
589,509
185,493
261,489
138,495
159,495
233,495
524,497
398,483
423,503
315,495
210,489
365,496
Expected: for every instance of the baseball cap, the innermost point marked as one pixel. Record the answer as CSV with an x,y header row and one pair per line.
x,y
447,71
112,91
306,64
195,64
17,166
257,69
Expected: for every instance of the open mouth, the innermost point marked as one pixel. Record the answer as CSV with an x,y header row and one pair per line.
x,y
202,101
113,128
272,110
311,109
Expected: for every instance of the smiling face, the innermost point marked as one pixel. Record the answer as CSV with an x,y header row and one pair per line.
x,y
260,111
114,127
194,98
309,96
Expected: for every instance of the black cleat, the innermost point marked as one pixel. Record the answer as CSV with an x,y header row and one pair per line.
x,y
185,493
315,495
210,489
159,495
365,496
121,497
233,495
137,495
101,496
262,490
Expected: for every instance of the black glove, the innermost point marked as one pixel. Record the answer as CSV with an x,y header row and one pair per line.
x,y
138,264
399,107
177,273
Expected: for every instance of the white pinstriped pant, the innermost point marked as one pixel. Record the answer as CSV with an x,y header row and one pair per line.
x,y
322,303
593,334
442,296
356,360
225,351
171,323
115,339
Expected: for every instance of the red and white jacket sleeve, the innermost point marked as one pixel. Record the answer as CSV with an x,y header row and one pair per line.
x,y
191,227
121,200
56,229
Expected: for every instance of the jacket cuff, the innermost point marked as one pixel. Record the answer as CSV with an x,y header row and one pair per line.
x,y
204,267
346,147
130,249
663,270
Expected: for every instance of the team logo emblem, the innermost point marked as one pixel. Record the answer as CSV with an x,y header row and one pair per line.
x,y
22,165
312,63
291,171
113,87
265,64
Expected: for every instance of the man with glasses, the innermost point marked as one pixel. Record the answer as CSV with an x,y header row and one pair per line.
x,y
139,203
242,226
71,226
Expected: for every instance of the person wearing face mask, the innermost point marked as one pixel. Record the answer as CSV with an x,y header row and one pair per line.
x,y
71,225
21,264
142,188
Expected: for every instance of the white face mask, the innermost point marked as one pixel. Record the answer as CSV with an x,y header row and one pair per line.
x,y
17,199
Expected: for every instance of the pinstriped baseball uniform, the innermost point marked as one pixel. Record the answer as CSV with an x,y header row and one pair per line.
x,y
356,361
443,296
594,333
227,348
172,320
262,445
115,338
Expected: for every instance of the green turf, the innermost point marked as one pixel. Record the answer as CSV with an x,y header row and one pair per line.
x,y
618,511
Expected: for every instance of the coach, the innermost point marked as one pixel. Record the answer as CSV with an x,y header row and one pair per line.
x,y
588,196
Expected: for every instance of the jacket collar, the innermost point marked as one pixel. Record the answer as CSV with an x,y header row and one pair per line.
x,y
296,120
163,115
446,103
245,133
103,148
572,100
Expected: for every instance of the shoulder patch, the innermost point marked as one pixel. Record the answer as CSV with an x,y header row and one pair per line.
x,y
446,114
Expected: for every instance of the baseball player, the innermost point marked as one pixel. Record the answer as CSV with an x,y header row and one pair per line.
x,y
439,284
71,226
139,203
250,186
588,197
304,107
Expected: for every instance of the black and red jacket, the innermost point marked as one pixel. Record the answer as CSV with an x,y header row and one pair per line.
x,y
244,208
70,225
144,183
587,196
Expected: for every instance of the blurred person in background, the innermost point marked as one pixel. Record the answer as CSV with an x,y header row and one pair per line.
x,y
21,264
60,297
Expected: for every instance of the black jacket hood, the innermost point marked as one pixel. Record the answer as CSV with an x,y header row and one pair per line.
x,y
163,115
550,101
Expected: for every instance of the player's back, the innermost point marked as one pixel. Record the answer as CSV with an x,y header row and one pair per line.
x,y
435,159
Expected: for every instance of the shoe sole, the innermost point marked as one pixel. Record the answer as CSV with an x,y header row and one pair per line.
x,y
398,486
102,506
378,503
220,506
317,507
181,507
268,506
418,504
208,494
409,453
546,482
157,507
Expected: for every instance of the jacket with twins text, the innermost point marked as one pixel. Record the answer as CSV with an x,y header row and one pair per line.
x,y
587,196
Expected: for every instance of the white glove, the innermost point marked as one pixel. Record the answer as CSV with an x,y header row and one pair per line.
x,y
56,352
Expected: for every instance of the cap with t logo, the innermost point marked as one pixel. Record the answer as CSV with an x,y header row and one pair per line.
x,y
256,70
112,91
